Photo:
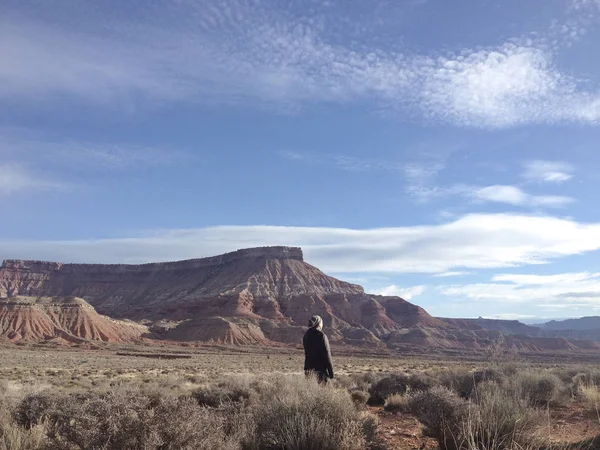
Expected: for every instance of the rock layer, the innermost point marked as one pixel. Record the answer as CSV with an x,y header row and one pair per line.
x,y
71,319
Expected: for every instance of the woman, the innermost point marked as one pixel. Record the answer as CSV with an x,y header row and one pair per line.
x,y
316,351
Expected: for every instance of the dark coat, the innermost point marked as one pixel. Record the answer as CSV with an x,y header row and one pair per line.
x,y
317,353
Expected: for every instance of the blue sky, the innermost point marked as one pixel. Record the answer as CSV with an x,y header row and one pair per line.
x,y
440,150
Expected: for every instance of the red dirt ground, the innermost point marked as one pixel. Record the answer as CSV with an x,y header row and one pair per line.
x,y
567,424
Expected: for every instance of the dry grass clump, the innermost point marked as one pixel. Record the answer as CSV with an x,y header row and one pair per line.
x,y
541,389
499,419
496,417
295,413
13,437
590,393
397,403
360,398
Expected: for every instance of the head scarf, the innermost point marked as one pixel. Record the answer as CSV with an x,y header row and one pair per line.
x,y
316,322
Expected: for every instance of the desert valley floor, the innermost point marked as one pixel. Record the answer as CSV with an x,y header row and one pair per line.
x,y
184,369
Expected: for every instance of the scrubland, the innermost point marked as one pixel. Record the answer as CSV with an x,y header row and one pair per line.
x,y
227,398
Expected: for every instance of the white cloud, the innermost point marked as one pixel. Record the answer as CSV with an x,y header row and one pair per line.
x,y
509,316
515,196
405,293
544,291
258,54
505,86
449,274
475,241
15,179
548,171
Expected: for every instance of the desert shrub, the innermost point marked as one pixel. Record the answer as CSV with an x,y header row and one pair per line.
x,y
33,409
399,383
442,412
234,389
132,420
465,383
296,413
360,398
392,384
499,419
215,396
541,389
397,403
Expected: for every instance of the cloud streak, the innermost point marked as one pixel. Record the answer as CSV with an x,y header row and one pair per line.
x,y
547,171
513,195
15,179
567,290
475,241
258,54
31,147
406,293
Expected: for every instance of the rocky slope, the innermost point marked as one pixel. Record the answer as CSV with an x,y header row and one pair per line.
x,y
68,319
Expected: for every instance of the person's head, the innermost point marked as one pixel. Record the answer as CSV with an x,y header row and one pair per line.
x,y
315,322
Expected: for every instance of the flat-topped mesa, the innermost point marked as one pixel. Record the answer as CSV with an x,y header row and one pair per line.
x,y
280,252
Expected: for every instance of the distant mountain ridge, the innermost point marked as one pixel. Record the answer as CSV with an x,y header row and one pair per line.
x,y
582,324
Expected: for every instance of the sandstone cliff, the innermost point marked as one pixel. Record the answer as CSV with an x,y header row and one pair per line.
x,y
257,295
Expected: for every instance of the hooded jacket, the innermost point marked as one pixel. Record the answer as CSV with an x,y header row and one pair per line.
x,y
317,353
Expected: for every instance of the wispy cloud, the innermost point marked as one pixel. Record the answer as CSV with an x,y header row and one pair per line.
x,y
407,293
471,242
31,147
419,175
15,179
515,196
454,273
545,291
343,162
510,316
420,180
284,58
547,171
